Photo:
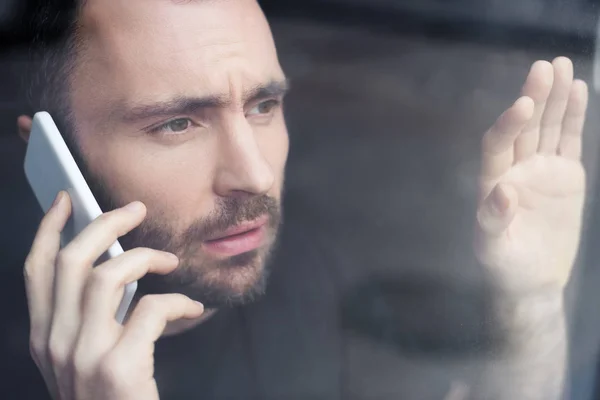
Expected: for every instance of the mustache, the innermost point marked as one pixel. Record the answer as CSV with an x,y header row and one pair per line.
x,y
227,213
231,212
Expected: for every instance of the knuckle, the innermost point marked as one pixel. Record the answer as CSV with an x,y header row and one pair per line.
x,y
106,217
150,303
58,357
66,258
145,255
113,370
103,278
29,268
37,349
46,222
113,221
58,353
82,366
178,300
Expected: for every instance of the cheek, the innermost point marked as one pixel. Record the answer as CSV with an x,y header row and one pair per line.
x,y
174,183
274,145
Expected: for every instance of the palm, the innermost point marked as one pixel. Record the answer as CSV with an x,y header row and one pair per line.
x,y
532,185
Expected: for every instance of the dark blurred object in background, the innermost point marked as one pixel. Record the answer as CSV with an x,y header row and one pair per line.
x,y
20,20
12,13
556,23
552,21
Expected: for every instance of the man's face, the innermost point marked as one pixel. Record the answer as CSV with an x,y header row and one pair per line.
x,y
178,104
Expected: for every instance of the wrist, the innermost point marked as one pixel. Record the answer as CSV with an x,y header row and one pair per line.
x,y
520,319
525,306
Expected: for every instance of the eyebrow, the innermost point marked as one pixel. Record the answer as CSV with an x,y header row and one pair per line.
x,y
188,105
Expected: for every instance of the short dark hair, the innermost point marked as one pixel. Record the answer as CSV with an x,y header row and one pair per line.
x,y
55,47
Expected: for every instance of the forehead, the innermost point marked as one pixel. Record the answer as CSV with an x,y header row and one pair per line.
x,y
136,50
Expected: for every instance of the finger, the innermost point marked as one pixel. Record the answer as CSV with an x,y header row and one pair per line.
x,y
498,210
77,258
24,124
498,142
50,381
150,317
574,121
73,265
537,86
104,288
39,271
97,237
39,284
551,125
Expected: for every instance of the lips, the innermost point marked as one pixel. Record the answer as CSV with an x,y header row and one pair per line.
x,y
238,239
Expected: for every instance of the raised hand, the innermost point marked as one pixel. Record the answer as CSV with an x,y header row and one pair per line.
x,y
76,342
532,184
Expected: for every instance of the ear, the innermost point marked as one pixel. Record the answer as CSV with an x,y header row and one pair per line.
x,y
24,124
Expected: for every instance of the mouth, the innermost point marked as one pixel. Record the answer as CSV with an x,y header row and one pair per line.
x,y
238,239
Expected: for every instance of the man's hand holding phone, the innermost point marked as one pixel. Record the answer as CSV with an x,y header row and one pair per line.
x,y
79,347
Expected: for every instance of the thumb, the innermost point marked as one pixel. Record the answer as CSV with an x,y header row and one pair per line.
x,y
498,209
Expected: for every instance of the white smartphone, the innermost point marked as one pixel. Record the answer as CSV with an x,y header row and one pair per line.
x,y
50,168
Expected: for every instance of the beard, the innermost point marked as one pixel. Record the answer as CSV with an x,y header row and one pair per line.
x,y
216,283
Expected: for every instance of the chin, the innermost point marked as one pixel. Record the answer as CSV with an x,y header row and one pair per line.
x,y
227,283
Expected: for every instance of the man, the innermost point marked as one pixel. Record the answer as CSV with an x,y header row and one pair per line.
x,y
174,113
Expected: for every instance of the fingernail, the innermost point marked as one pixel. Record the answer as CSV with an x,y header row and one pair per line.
x,y
199,304
134,207
58,199
173,256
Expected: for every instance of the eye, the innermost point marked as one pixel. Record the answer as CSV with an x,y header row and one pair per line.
x,y
175,126
178,125
264,108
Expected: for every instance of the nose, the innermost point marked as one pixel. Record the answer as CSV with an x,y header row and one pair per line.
x,y
242,168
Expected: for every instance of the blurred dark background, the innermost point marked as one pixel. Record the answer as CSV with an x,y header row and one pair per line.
x,y
390,100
